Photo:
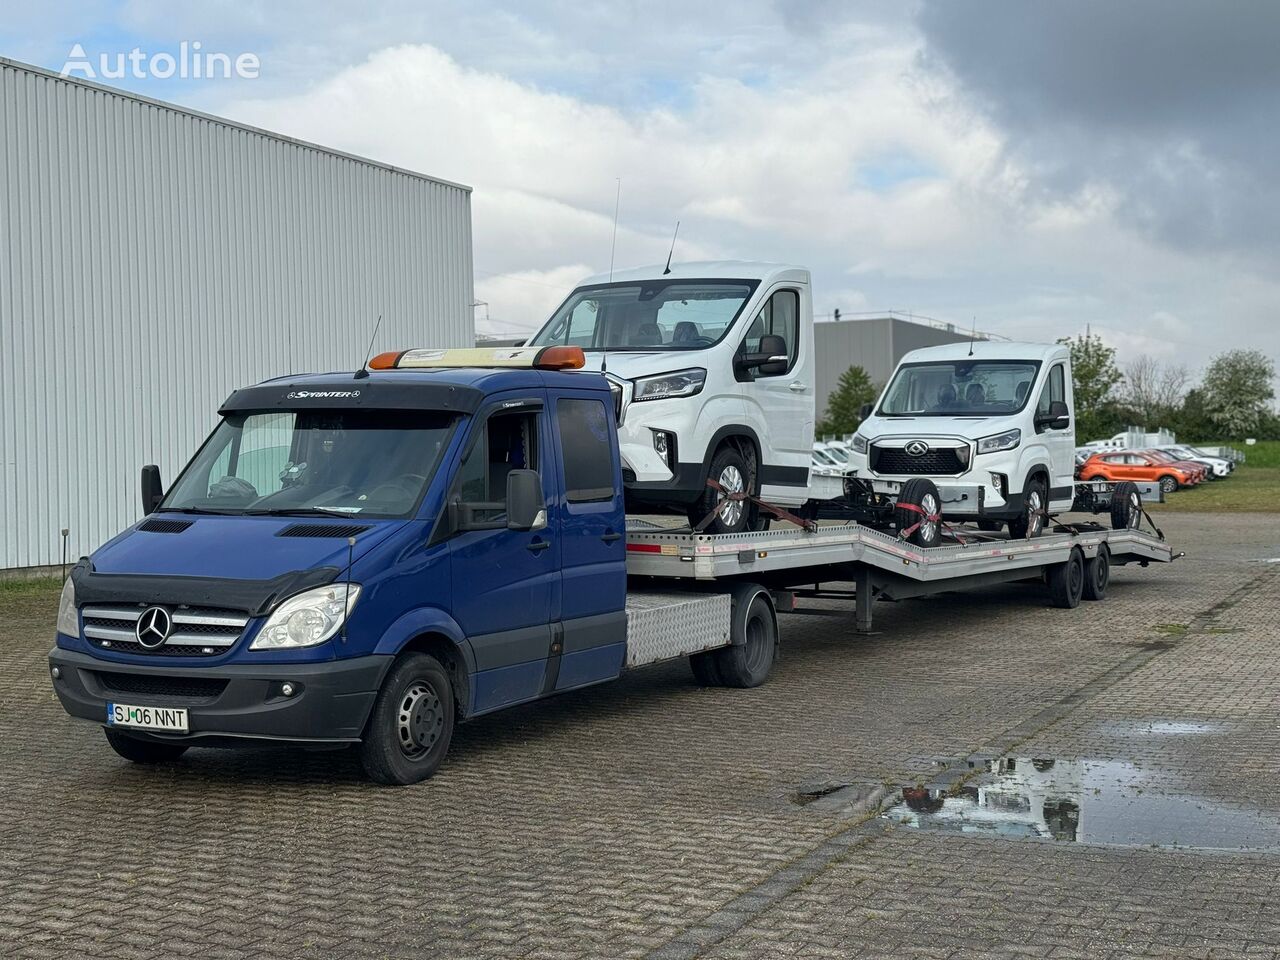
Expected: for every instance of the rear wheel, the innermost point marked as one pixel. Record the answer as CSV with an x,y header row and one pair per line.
x,y
924,521
747,664
704,669
1066,581
1126,506
1035,501
411,724
1169,484
1097,574
138,750
730,470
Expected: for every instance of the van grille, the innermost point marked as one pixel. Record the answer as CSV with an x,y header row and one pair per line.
x,y
196,631
145,685
939,461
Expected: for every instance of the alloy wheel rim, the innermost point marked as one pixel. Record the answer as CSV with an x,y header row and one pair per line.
x,y
1135,511
730,510
928,528
1034,515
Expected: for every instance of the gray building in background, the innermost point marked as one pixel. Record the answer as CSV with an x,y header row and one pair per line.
x,y
153,258
874,343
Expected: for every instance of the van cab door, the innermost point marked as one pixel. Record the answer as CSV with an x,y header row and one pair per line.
x,y
1059,440
593,560
506,583
782,401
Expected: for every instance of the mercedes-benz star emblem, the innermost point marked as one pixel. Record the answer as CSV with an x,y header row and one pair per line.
x,y
917,448
153,627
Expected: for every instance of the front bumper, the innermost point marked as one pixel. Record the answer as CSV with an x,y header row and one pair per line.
x,y
331,706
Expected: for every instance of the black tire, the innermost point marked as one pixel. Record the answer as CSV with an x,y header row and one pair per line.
x,y
991,526
704,669
409,730
1169,483
1035,504
748,664
138,750
1066,581
1126,506
1097,574
725,465
923,493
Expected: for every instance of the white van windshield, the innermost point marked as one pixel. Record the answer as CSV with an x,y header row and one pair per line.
x,y
648,315
960,388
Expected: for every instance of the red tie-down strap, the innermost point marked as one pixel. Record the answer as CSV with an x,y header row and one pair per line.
x,y
937,517
778,512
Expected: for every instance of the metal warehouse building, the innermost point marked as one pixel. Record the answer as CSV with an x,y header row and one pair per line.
x,y
153,258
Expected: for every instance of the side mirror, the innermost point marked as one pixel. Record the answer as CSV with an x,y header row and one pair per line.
x,y
526,506
152,490
772,359
864,411
1058,417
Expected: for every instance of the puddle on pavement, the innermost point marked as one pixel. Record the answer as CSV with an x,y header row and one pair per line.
x,y
1084,801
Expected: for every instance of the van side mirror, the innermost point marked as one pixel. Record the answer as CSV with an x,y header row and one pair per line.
x,y
772,359
152,490
864,411
526,506
1058,417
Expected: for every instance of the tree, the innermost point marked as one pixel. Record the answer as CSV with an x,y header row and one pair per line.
x,y
1095,376
1237,391
853,390
1153,391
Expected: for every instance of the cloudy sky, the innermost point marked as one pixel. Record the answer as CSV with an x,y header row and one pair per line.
x,y
1035,168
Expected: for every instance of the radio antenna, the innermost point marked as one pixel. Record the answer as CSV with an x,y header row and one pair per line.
x,y
364,367
613,246
973,335
673,248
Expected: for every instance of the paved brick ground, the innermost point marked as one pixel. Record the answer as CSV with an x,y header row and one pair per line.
x,y
651,816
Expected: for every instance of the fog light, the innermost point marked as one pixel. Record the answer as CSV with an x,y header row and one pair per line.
x,y
664,444
57,673
287,689
997,481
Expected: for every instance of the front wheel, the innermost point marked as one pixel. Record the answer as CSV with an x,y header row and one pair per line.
x,y
1126,506
1035,503
1169,484
137,750
919,510
411,724
730,470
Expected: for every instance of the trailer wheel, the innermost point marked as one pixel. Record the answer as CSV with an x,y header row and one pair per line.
x,y
747,664
137,750
1097,574
924,523
1066,581
411,723
1126,506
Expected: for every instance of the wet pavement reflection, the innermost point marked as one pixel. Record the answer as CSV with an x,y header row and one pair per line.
x,y
1084,801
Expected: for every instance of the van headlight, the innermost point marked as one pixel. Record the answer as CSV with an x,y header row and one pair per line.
x,y
1000,441
859,443
308,618
681,383
68,618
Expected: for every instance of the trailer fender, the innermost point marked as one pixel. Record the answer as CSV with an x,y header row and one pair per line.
x,y
743,594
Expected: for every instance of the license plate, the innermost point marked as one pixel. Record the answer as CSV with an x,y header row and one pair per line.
x,y
171,719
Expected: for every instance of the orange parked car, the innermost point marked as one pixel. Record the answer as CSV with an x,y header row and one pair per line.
x,y
1142,467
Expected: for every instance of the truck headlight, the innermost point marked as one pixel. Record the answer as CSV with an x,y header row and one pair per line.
x,y
1000,441
859,443
68,618
308,618
681,383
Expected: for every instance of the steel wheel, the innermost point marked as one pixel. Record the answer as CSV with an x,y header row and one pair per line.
x,y
731,511
419,720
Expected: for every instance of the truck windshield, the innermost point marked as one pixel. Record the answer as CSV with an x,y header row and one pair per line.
x,y
368,462
960,388
649,315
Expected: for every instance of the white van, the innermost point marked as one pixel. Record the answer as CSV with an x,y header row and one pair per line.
x,y
712,369
989,423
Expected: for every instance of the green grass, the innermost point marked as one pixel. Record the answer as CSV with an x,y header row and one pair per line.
x,y
1253,488
35,587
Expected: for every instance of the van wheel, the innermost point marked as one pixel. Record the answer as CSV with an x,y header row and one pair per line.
x,y
1097,574
1035,501
1066,581
730,470
411,724
704,670
1126,506
748,664
1169,484
137,750
922,493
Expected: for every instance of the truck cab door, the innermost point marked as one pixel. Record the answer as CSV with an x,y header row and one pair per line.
x,y
589,507
781,400
505,582
1059,440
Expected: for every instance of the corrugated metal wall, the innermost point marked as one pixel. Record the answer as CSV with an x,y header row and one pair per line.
x,y
152,259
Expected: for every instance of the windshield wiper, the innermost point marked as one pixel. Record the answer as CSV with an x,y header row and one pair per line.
x,y
204,510
300,512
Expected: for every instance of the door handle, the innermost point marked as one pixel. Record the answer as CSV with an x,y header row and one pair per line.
x,y
797,387
537,546
611,537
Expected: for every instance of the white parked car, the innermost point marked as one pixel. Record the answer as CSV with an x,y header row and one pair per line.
x,y
1219,465
712,367
990,424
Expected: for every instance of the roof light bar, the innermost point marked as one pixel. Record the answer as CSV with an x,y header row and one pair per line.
x,y
527,358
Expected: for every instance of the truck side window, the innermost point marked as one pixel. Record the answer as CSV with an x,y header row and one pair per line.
x,y
1054,390
584,447
779,317
508,441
